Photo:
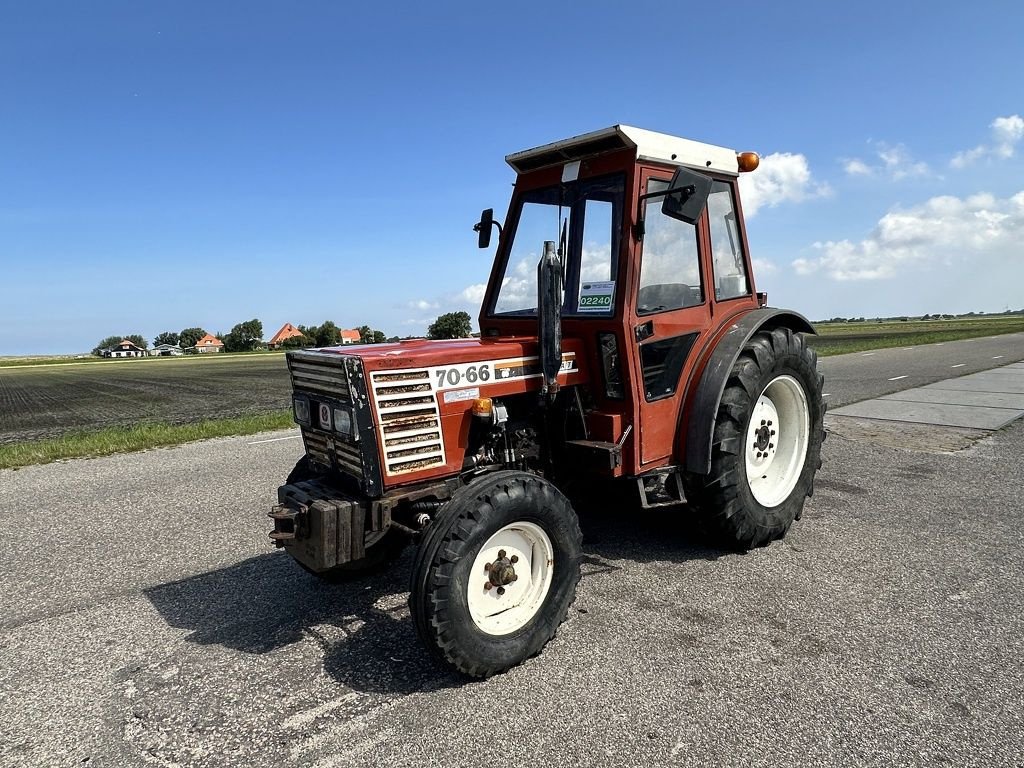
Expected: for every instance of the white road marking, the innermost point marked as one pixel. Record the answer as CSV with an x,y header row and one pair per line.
x,y
275,439
867,354
304,718
958,365
997,357
897,378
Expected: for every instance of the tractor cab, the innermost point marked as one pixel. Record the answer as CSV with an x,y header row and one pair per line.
x,y
653,257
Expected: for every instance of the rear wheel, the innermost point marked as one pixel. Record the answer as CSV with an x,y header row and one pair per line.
x,y
496,573
381,547
767,442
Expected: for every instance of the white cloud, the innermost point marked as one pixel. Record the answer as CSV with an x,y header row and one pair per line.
x,y
422,305
937,233
1007,132
781,177
892,160
765,267
474,294
857,167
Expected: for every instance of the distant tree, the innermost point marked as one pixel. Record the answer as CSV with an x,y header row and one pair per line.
x,y
327,334
167,337
297,342
451,325
368,335
189,336
244,336
107,343
392,339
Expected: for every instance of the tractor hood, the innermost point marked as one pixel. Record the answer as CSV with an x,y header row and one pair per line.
x,y
425,353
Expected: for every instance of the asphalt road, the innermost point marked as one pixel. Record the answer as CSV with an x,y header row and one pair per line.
x,y
146,621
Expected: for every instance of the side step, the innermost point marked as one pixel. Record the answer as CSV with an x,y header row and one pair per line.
x,y
655,490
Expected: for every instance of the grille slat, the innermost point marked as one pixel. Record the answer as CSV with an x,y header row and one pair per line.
x,y
410,422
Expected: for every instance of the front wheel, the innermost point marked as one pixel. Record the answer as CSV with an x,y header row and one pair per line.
x,y
496,573
767,442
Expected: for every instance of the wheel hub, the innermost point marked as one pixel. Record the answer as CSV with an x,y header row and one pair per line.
x,y
777,440
501,572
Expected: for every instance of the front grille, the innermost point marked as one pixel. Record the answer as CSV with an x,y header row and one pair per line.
x,y
333,451
324,376
410,422
331,381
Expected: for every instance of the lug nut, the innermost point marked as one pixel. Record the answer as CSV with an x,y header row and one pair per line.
x,y
515,577
488,567
501,591
773,431
769,423
488,585
763,422
501,554
771,445
514,559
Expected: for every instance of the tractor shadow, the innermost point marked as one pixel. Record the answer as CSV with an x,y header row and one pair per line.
x,y
266,603
363,627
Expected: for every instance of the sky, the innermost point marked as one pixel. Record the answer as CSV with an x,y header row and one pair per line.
x,y
169,165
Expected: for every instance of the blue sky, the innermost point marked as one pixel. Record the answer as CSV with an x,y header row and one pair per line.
x,y
167,165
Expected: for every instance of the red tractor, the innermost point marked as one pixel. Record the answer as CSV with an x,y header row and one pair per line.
x,y
621,337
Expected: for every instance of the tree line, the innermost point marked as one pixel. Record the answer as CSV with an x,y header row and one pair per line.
x,y
248,335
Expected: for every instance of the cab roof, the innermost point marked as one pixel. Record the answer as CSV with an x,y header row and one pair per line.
x,y
649,145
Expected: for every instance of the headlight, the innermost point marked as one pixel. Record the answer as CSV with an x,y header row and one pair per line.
x,y
301,410
344,423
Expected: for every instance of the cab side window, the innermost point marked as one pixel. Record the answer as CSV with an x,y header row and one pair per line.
x,y
726,248
670,264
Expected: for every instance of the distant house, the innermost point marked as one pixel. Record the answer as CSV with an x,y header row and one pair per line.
x,y
209,343
349,337
165,350
124,349
288,331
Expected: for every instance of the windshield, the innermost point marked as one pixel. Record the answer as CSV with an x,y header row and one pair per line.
x,y
589,212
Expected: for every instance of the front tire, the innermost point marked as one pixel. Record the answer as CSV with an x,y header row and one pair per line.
x,y
496,573
767,442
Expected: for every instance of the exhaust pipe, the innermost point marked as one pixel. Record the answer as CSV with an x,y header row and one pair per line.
x,y
549,318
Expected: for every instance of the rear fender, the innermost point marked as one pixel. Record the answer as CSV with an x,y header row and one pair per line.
x,y
702,405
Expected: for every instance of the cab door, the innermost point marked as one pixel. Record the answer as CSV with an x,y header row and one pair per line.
x,y
671,310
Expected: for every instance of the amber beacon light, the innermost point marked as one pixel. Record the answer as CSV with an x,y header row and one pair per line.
x,y
747,161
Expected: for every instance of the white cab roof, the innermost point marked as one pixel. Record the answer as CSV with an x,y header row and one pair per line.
x,y
649,145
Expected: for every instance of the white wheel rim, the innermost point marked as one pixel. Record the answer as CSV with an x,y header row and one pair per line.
x,y
502,608
776,441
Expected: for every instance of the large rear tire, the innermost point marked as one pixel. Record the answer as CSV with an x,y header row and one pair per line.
x,y
496,573
767,443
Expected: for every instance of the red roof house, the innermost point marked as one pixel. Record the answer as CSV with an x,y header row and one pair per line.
x,y
288,331
349,336
209,343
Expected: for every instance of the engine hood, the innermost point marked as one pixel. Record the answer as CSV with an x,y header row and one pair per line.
x,y
427,352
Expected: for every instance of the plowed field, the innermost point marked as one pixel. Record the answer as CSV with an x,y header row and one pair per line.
x,y
48,401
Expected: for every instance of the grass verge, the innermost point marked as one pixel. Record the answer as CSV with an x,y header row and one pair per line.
x,y
77,445
843,338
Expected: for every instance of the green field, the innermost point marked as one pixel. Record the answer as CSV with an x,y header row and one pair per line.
x,y
841,338
41,402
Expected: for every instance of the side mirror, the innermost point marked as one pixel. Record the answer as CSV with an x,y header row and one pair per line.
x,y
686,196
483,228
